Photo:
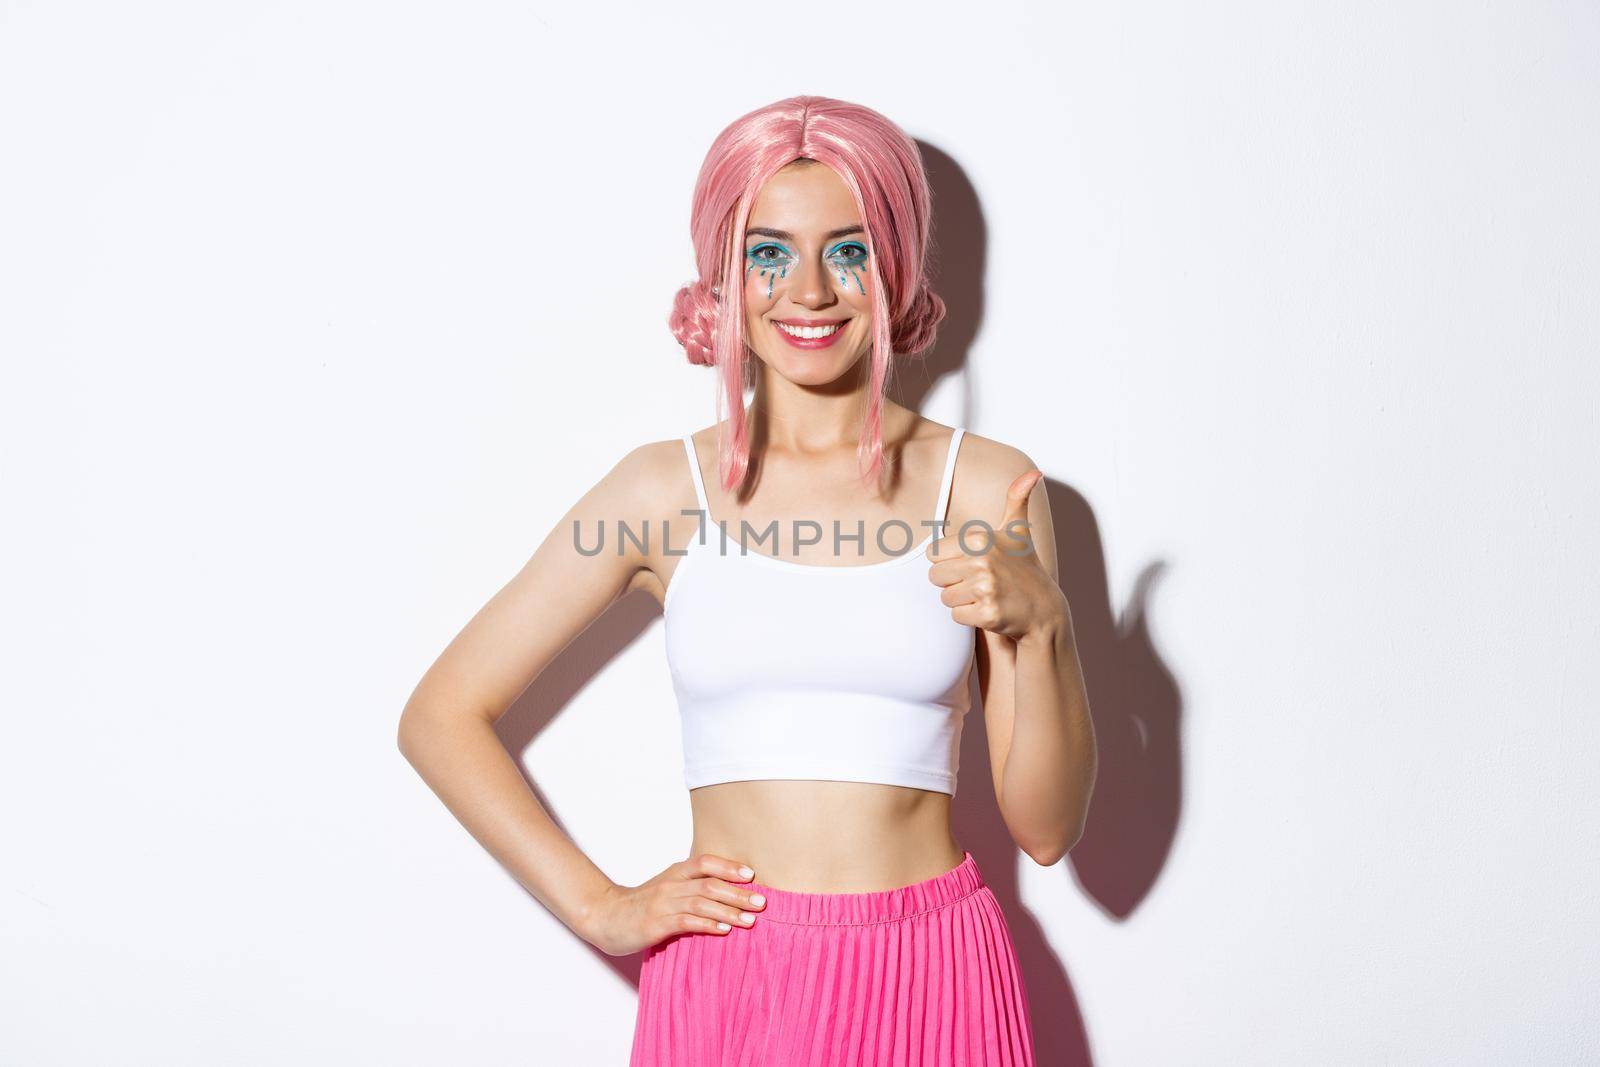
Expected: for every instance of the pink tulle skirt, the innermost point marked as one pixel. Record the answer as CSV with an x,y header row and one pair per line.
x,y
924,975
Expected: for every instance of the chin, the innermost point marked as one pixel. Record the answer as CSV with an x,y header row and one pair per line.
x,y
809,376
813,372
813,367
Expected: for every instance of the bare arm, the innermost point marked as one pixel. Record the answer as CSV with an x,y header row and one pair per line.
x,y
1035,703
447,727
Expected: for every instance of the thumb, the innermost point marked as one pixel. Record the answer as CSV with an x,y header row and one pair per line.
x,y
1017,503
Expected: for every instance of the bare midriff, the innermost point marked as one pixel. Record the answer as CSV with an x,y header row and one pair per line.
x,y
824,836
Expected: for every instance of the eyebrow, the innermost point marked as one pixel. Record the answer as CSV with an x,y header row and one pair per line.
x,y
785,235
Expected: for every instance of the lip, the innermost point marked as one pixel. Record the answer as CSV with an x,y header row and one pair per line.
x,y
810,342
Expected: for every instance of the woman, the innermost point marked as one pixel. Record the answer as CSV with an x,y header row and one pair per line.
x,y
820,646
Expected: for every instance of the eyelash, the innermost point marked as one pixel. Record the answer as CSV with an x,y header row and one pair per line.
x,y
853,261
787,257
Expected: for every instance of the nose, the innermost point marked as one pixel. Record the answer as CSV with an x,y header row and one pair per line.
x,y
810,286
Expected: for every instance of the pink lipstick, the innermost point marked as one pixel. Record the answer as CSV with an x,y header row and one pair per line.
x,y
810,333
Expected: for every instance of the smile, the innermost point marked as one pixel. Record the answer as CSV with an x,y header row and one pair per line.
x,y
810,336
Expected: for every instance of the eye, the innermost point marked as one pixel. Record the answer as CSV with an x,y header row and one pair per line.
x,y
769,254
849,254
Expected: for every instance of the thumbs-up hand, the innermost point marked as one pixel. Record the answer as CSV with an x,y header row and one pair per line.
x,y
993,578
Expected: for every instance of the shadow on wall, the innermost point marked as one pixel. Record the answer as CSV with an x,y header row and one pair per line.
x,y
1133,817
1136,702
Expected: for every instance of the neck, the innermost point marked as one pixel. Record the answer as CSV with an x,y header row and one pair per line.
x,y
801,418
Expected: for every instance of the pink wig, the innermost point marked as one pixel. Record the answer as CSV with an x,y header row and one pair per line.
x,y
883,170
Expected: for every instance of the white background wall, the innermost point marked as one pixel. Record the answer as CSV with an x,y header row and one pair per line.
x,y
316,316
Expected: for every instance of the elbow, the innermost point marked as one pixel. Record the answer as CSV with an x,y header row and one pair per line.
x,y
425,725
1049,853
410,735
405,736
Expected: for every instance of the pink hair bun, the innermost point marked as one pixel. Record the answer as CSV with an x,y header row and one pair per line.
x,y
694,323
915,333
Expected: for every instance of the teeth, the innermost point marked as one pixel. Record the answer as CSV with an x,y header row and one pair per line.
x,y
809,331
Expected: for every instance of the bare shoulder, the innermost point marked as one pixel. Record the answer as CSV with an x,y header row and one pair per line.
x,y
654,476
985,472
649,488
985,469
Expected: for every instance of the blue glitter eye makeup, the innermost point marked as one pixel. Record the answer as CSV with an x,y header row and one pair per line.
x,y
769,253
852,253
849,258
771,260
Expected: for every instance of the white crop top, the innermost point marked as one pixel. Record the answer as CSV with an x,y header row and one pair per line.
x,y
783,669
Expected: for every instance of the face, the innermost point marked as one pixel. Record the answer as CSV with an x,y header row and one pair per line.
x,y
807,290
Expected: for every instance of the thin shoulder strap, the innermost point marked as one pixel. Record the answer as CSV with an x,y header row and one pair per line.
x,y
949,473
694,469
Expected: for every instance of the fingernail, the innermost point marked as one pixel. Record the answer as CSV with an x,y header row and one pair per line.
x,y
724,926
747,918
758,899
745,872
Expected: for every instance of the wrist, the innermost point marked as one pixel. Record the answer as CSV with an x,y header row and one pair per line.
x,y
592,909
1052,630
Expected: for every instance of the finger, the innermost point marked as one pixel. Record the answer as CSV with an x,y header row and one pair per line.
x,y
950,571
1013,534
958,595
973,615
683,922
1017,497
716,911
738,896
954,557
708,863
949,546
